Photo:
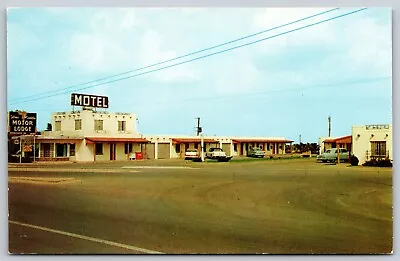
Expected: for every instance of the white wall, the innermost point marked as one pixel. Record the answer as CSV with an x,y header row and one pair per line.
x,y
362,140
87,117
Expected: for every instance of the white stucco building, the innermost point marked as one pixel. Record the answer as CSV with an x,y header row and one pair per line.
x,y
372,142
88,135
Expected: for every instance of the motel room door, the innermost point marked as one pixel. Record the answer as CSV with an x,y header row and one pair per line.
x,y
112,151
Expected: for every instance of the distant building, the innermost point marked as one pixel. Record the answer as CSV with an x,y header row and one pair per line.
x,y
326,143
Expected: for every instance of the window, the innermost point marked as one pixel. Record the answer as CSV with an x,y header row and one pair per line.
x,y
61,150
98,125
99,148
128,147
268,147
235,147
78,124
178,148
58,126
186,146
121,125
378,148
72,149
196,146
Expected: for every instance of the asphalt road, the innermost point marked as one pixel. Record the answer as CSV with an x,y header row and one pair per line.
x,y
279,207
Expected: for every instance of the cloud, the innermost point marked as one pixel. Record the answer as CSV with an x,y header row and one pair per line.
x,y
115,43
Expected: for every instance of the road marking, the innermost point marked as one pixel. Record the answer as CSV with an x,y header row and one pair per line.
x,y
74,170
157,167
106,242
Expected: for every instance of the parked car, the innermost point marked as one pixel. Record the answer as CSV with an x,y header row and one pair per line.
x,y
218,154
192,154
331,155
255,152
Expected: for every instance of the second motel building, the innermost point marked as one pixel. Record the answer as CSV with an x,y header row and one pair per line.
x,y
87,135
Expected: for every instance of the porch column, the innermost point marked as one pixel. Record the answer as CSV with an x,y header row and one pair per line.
x,y
232,150
68,148
54,150
291,148
276,148
170,149
39,145
220,144
94,151
156,150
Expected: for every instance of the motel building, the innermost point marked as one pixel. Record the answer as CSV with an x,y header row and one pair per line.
x,y
176,146
88,136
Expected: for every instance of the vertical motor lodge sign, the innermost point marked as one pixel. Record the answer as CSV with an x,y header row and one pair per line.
x,y
22,122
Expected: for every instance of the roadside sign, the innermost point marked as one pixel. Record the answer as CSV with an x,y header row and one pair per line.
x,y
22,122
27,148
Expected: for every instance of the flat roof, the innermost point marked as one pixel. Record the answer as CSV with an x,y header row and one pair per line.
x,y
193,140
266,140
106,139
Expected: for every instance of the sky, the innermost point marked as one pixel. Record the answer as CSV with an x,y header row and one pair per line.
x,y
283,86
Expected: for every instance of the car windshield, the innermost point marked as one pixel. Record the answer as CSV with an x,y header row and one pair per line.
x,y
191,151
328,151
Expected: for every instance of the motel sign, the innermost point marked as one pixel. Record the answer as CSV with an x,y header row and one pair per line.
x,y
87,100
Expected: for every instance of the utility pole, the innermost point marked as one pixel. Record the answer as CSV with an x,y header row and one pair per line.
x,y
301,149
329,125
198,128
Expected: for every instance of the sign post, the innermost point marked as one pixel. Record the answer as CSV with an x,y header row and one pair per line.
x,y
20,149
34,148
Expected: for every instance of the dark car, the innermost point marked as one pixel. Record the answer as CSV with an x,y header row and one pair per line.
x,y
255,152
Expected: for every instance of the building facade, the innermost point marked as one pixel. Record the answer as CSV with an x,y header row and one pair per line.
x,y
337,142
88,135
372,142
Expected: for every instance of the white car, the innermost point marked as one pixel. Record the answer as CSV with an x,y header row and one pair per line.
x,y
192,154
215,153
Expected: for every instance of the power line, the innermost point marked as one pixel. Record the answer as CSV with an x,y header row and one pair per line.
x,y
283,90
241,95
180,57
200,57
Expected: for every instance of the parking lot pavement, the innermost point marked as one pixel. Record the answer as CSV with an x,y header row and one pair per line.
x,y
281,207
